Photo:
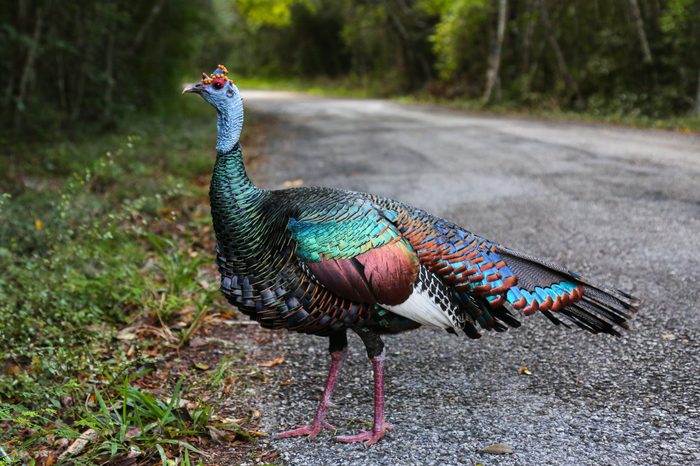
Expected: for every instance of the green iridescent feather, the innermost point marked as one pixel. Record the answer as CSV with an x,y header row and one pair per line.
x,y
333,238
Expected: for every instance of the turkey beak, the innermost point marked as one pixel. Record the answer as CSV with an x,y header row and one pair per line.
x,y
195,88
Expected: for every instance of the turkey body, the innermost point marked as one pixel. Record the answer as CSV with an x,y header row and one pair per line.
x,y
321,260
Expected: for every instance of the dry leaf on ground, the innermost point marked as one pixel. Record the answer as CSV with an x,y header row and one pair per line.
x,y
272,362
126,334
80,443
198,342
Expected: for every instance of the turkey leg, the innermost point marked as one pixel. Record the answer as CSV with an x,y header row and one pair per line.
x,y
338,349
375,350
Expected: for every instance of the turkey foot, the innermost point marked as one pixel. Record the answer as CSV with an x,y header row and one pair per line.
x,y
310,430
319,423
369,437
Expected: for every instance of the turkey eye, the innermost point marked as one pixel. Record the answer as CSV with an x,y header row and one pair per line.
x,y
218,85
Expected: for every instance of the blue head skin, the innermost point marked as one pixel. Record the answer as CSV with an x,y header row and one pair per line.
x,y
224,96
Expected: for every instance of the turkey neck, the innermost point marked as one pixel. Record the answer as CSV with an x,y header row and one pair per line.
x,y
235,205
229,123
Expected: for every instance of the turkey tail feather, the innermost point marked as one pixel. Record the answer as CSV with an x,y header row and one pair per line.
x,y
555,291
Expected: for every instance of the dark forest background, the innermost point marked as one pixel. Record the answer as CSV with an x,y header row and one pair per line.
x,y
64,64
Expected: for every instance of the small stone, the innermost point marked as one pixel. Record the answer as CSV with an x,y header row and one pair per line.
x,y
498,449
198,342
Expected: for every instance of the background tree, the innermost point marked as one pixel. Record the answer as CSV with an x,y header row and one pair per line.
x,y
495,56
636,57
66,63
80,64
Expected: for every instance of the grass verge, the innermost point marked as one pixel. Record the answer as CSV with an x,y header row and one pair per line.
x,y
682,124
107,297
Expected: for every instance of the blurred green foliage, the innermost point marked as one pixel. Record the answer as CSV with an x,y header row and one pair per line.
x,y
80,64
459,21
80,252
95,234
626,57
67,63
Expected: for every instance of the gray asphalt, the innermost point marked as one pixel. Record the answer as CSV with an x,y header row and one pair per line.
x,y
619,205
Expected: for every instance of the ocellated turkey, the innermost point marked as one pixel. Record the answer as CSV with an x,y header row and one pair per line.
x,y
324,261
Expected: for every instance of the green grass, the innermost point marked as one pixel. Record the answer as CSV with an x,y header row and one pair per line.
x,y
684,124
97,234
316,86
364,89
120,422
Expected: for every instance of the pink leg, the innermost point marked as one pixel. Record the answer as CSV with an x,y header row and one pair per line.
x,y
380,426
319,423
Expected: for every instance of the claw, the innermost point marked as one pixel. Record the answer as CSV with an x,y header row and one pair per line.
x,y
310,430
369,437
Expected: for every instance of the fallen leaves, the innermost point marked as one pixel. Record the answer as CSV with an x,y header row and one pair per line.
x,y
140,332
201,366
126,334
79,444
228,432
198,342
272,362
205,284
12,369
267,457
219,435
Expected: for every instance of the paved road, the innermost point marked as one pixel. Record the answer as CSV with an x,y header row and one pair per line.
x,y
620,205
